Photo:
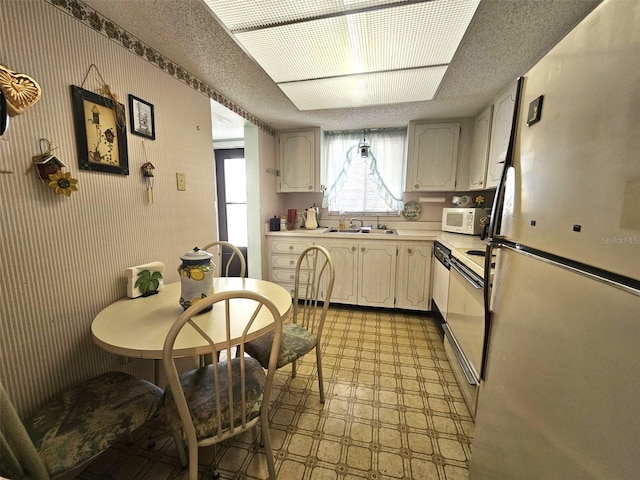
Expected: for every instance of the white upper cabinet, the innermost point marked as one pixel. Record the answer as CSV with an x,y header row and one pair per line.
x,y
299,155
432,156
500,132
479,150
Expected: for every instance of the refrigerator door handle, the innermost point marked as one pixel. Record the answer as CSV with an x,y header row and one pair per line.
x,y
498,201
487,308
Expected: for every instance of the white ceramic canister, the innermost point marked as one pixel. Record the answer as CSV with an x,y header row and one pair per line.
x,y
196,277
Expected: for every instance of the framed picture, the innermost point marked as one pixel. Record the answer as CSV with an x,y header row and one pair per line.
x,y
101,133
141,118
535,110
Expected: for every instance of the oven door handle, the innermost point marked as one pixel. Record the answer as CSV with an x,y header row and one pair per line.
x,y
462,361
456,266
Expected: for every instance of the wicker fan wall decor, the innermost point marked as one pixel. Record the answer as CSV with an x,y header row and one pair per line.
x,y
20,90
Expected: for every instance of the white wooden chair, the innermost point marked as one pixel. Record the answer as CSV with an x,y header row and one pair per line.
x,y
220,251
207,405
314,278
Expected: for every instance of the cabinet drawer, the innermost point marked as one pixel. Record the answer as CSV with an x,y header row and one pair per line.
x,y
283,261
289,247
289,287
287,276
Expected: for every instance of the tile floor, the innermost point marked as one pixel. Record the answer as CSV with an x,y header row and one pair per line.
x,y
393,410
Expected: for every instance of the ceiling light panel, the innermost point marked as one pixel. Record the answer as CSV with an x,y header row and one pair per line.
x,y
247,15
406,36
364,90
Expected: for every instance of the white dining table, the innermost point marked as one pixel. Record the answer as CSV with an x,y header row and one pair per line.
x,y
137,327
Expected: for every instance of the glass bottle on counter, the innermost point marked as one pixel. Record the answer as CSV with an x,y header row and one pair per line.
x,y
342,224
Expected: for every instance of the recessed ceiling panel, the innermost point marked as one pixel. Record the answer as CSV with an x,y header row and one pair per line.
x,y
243,14
349,53
365,90
408,36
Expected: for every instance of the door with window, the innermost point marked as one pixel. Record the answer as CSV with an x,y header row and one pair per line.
x,y
232,202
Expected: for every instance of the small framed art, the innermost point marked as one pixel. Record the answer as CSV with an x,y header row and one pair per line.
x,y
535,110
101,132
141,118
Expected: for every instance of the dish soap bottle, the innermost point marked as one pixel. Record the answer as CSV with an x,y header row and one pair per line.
x,y
342,225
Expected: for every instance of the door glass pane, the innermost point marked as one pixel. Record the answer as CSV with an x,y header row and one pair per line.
x,y
235,175
237,224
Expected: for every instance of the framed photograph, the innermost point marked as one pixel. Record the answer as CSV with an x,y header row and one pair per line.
x,y
101,133
535,110
141,118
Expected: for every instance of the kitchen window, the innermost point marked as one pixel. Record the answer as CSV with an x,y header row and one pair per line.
x,y
370,184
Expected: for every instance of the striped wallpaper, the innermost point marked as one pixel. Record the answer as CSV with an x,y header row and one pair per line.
x,y
62,259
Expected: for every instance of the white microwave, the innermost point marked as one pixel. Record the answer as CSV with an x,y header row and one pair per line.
x,y
463,220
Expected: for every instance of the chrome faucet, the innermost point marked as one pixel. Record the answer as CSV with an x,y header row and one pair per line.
x,y
351,225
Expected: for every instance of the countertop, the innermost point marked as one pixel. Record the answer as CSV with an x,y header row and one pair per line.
x,y
458,243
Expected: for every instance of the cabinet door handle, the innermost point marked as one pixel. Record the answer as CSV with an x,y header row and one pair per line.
x,y
291,262
309,187
362,249
291,277
409,250
417,186
353,249
290,247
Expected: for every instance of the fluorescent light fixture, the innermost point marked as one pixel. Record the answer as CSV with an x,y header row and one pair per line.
x,y
333,49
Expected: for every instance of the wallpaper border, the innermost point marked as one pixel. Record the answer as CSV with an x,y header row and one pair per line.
x,y
106,27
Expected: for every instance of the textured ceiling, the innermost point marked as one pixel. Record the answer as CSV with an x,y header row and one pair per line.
x,y
505,38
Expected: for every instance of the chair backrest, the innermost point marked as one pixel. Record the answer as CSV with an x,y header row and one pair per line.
x,y
223,250
19,457
315,275
242,316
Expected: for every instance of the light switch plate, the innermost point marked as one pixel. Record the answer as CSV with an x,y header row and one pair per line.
x,y
182,183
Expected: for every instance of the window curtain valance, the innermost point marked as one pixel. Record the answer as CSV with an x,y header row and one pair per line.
x,y
385,165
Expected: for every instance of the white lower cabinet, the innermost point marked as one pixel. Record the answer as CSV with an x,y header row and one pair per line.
x,y
345,260
376,273
283,255
413,275
365,272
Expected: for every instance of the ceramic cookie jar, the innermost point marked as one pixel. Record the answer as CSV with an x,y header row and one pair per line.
x,y
196,277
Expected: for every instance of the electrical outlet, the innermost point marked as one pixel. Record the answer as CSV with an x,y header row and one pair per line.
x,y
182,183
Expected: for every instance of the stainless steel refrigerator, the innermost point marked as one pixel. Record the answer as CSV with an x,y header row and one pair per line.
x,y
560,388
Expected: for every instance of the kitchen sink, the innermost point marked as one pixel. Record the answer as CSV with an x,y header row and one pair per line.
x,y
364,231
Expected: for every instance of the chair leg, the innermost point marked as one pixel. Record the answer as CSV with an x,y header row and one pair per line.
x,y
193,463
180,447
293,369
266,438
320,382
216,473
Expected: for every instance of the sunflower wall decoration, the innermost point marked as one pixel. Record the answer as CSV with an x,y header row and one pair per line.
x,y
50,170
62,183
